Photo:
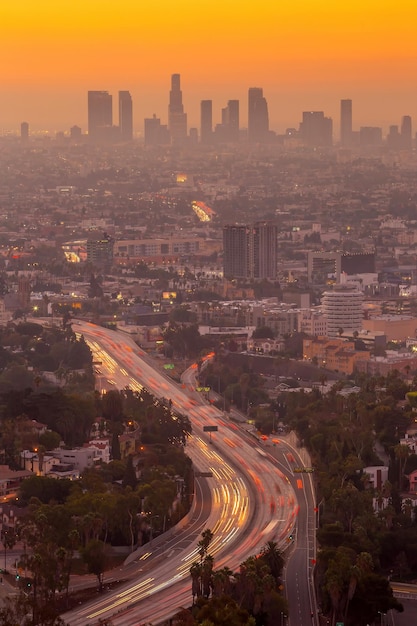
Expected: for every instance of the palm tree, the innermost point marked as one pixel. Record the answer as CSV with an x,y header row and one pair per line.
x,y
273,557
195,571
206,575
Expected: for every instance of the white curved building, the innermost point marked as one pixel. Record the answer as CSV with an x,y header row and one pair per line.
x,y
343,308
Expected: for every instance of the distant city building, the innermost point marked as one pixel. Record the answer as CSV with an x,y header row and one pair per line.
x,y
406,132
155,134
343,308
250,251
24,289
206,121
357,263
228,130
316,130
334,354
232,121
193,136
24,131
125,116
100,251
177,119
258,118
394,139
75,133
346,122
100,115
324,265
168,249
370,136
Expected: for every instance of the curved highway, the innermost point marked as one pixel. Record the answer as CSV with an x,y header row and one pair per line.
x,y
252,500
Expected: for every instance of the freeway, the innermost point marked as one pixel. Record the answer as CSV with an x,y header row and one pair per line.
x,y
252,500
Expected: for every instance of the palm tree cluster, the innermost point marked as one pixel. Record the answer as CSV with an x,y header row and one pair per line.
x,y
251,595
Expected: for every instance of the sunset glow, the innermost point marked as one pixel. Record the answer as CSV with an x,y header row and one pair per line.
x,y
304,53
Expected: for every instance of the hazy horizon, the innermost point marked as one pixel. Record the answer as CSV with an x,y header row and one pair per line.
x,y
306,55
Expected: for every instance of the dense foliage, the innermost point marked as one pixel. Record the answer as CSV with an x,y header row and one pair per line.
x,y
252,596
366,531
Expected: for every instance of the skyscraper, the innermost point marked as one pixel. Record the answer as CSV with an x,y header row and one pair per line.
x,y
232,120
125,116
100,115
228,130
155,133
406,132
177,119
258,119
24,131
236,251
315,129
346,122
206,121
250,251
264,251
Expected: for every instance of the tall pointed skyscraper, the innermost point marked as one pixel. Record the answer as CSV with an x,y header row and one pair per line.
x,y
177,119
125,116
258,118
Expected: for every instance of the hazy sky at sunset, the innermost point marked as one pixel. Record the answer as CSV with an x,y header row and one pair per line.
x,y
306,54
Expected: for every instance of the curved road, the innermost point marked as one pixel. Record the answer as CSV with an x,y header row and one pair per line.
x,y
252,501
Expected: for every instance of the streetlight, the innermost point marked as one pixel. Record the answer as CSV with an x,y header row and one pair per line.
x,y
282,617
381,614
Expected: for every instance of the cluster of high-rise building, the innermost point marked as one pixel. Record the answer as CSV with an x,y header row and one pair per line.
x,y
100,117
227,131
315,128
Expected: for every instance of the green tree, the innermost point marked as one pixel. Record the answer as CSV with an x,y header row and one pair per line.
x,y
129,478
95,556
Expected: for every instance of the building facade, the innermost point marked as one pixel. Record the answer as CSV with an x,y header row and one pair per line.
x,y
250,252
206,121
343,308
346,122
177,119
258,117
125,116
100,115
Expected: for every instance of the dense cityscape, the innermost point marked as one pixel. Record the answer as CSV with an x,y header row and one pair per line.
x,y
315,129
208,370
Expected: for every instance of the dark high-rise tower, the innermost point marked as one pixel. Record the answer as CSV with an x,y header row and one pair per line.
x,y
406,132
346,122
206,121
24,131
258,119
250,251
125,116
236,251
232,120
177,119
100,115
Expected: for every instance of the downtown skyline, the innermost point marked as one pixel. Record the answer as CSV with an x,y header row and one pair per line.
x,y
307,55
194,116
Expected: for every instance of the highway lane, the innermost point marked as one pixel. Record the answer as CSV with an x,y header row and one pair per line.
x,y
253,502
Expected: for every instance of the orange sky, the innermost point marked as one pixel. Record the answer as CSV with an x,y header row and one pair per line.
x,y
306,54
